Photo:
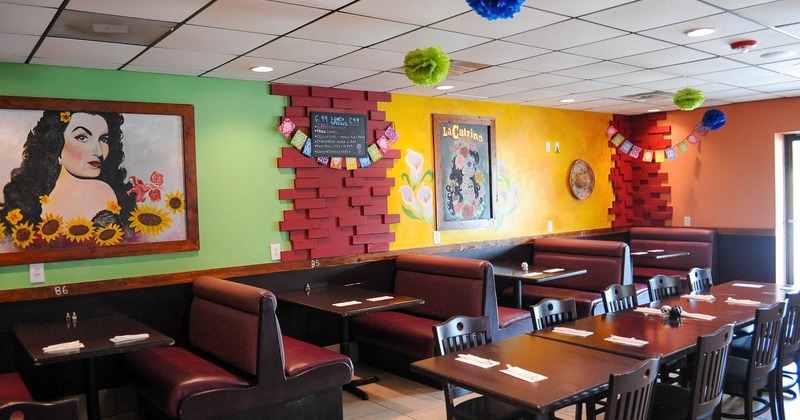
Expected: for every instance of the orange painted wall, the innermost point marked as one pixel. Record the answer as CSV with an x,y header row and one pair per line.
x,y
728,179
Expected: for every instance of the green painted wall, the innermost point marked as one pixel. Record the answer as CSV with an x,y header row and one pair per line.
x,y
237,178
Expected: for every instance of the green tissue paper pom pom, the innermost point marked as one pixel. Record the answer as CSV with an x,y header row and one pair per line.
x,y
427,66
688,99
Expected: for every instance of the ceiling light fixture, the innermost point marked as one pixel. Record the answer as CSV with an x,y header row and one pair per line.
x,y
262,69
444,87
778,54
566,101
699,32
743,46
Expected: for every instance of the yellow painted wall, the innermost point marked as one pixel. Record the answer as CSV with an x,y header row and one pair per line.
x,y
538,180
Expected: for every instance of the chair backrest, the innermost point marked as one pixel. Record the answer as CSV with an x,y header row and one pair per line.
x,y
550,312
33,410
765,344
790,347
662,287
458,334
708,374
630,395
700,279
225,321
619,296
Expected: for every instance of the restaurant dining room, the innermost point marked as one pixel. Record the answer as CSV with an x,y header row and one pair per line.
x,y
377,209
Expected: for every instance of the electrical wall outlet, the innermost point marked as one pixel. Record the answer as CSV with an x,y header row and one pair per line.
x,y
37,273
437,237
547,146
687,221
275,252
549,225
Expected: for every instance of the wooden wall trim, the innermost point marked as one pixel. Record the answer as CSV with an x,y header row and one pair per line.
x,y
139,282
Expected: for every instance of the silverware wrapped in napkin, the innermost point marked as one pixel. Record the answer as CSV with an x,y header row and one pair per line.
x,y
523,374
71,345
627,341
744,302
476,361
128,338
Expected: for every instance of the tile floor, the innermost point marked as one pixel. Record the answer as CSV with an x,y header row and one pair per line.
x,y
396,398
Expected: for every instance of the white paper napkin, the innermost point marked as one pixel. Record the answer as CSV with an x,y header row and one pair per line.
x,y
523,374
554,270
639,253
476,361
533,273
380,298
627,341
71,345
744,302
704,317
752,286
790,288
648,311
572,331
655,250
128,338
348,303
705,298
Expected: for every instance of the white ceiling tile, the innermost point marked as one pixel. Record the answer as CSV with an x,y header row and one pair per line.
x,y
419,91
163,70
474,24
765,39
497,52
702,66
574,8
642,76
566,34
551,62
790,67
746,77
491,75
645,14
307,51
379,82
488,91
266,17
622,46
240,68
171,11
582,86
541,81
736,4
323,4
330,75
597,70
779,87
43,3
408,11
223,41
85,53
181,59
530,95
756,57
725,25
24,20
427,37
776,13
15,48
663,58
370,59
361,31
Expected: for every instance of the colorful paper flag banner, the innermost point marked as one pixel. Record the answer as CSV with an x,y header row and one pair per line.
x,y
627,147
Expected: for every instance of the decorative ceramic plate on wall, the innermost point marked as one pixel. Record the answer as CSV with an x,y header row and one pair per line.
x,y
581,179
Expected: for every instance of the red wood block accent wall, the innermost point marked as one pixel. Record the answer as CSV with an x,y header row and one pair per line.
x,y
336,212
640,188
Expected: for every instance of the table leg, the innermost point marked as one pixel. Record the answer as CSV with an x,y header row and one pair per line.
x,y
344,347
92,397
518,293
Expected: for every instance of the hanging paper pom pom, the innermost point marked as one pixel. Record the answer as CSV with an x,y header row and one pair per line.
x,y
688,99
714,119
493,9
427,66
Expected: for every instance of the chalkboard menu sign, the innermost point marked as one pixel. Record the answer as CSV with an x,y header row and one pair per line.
x,y
338,135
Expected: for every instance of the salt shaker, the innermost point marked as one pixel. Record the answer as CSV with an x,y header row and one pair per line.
x,y
524,266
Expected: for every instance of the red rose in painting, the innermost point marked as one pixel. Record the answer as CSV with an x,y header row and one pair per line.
x,y
155,195
157,178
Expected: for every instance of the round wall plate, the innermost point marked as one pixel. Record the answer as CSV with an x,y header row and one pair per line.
x,y
581,179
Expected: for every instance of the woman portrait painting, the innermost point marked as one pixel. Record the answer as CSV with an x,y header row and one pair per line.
x,y
73,186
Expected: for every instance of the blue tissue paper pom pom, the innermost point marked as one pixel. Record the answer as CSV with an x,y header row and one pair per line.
x,y
713,119
493,9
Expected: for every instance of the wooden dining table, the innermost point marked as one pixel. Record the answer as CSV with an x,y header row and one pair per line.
x,y
573,372
533,274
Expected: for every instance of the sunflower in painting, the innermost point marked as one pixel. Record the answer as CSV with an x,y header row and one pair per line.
x,y
78,230
175,202
149,220
49,227
109,235
23,234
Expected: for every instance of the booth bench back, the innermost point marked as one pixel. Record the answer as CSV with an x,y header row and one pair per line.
x,y
606,262
698,242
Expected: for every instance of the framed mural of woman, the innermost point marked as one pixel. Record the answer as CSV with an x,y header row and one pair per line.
x,y
88,179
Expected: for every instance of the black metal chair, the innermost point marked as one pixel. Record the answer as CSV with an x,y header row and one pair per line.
x,y
630,395
619,296
460,333
551,312
703,397
700,279
662,287
745,376
789,352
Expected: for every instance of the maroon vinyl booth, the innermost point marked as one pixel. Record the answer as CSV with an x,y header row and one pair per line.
x,y
699,243
239,365
450,286
16,402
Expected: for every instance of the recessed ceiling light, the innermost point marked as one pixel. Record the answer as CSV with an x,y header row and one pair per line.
x,y
654,110
262,69
700,32
566,101
444,87
778,54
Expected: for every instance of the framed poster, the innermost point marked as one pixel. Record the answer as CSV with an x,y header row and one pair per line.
x,y
465,167
91,179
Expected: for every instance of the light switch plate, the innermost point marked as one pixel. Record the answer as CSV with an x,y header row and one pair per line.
x,y
547,146
37,273
687,221
549,225
437,237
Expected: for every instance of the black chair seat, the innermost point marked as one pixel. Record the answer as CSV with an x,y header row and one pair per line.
x,y
671,402
482,408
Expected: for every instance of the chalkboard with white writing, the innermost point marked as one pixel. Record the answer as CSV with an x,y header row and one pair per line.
x,y
338,135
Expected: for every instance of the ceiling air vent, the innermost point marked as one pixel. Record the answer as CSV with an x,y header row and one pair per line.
x,y
649,96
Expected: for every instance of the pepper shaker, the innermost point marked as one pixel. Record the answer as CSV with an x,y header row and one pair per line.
x,y
524,266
